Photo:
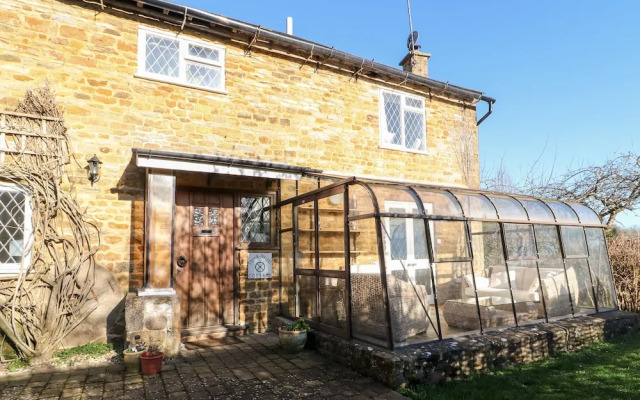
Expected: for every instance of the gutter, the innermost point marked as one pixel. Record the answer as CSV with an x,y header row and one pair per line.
x,y
322,52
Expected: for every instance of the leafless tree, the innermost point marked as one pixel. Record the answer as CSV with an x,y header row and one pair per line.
x,y
608,189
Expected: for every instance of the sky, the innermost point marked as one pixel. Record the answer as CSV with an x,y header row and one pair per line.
x,y
565,74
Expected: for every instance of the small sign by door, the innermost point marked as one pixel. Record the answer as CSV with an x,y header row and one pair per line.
x,y
259,265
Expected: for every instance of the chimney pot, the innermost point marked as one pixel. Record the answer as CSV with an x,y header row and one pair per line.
x,y
289,25
416,63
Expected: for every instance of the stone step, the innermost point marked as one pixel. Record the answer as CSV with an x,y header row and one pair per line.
x,y
215,332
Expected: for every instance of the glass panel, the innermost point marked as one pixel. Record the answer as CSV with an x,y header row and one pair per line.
x,y
198,216
476,206
331,232
412,102
520,241
491,281
368,315
255,219
162,56
439,203
414,130
573,241
601,269
204,75
307,296
459,314
537,210
393,124
332,302
204,52
395,197
409,285
525,289
580,286
450,240
288,290
12,219
213,216
286,217
508,208
306,239
161,198
562,212
360,202
586,215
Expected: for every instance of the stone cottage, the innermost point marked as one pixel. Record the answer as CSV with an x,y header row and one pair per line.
x,y
204,127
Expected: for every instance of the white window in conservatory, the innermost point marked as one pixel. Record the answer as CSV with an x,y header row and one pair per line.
x,y
15,229
164,57
402,122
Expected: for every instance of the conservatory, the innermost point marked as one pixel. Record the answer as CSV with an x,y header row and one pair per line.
x,y
395,265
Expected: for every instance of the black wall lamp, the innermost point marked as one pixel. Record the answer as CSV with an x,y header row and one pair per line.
x,y
94,169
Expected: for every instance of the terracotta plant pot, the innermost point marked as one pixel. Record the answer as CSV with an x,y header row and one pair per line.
x,y
151,362
292,341
132,361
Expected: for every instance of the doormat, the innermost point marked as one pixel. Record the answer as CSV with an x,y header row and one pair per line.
x,y
203,344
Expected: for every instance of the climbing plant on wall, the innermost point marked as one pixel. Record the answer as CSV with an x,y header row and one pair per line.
x,y
50,292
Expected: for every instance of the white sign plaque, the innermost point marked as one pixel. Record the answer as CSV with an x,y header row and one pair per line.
x,y
259,265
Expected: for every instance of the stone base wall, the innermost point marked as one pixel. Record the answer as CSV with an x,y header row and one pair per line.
x,y
156,319
457,358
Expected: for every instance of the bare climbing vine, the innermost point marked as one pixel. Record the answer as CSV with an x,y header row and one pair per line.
x,y
53,294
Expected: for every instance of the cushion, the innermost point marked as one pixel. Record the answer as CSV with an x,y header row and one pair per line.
x,y
480,281
499,279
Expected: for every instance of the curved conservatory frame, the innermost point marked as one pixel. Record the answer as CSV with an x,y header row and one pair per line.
x,y
395,264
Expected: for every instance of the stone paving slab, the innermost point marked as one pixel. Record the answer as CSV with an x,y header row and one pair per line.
x,y
254,369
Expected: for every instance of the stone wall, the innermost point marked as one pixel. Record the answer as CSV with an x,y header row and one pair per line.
x,y
457,358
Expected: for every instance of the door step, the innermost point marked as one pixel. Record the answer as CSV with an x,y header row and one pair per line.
x,y
214,332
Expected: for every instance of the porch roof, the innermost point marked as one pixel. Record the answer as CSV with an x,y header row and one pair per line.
x,y
215,164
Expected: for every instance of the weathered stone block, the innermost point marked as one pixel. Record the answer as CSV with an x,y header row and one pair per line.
x,y
156,319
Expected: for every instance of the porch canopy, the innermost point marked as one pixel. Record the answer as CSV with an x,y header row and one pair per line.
x,y
399,264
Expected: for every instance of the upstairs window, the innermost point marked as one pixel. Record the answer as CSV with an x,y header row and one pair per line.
x,y
15,229
402,122
164,57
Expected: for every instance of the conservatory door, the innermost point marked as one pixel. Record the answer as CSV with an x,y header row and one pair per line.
x,y
406,246
203,259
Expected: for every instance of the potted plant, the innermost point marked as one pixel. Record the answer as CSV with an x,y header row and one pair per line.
x,y
293,336
151,361
132,354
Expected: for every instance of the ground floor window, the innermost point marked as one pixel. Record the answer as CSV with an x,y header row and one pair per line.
x,y
15,228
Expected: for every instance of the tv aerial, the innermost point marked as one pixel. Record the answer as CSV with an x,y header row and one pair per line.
x,y
411,41
413,36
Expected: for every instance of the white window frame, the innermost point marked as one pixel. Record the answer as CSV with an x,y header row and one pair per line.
x,y
184,57
16,268
403,107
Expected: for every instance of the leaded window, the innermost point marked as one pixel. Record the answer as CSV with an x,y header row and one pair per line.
x,y
164,57
15,228
402,121
255,219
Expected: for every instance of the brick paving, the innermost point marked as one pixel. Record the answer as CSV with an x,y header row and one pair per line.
x,y
253,369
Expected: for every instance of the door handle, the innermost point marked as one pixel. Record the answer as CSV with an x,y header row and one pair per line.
x,y
182,261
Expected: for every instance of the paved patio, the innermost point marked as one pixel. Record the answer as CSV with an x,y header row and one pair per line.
x,y
254,369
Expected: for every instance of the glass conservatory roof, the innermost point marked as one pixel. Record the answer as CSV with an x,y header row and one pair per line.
x,y
382,198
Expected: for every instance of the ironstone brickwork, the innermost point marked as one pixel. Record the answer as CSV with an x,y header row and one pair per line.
x,y
275,108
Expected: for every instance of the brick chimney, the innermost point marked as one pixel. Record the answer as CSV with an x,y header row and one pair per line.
x,y
416,63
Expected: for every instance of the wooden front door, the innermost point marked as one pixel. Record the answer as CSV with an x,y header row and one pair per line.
x,y
203,259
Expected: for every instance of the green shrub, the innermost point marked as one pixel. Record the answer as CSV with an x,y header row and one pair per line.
x,y
298,325
92,350
18,363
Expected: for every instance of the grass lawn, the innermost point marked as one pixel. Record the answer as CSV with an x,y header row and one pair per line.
x,y
609,370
